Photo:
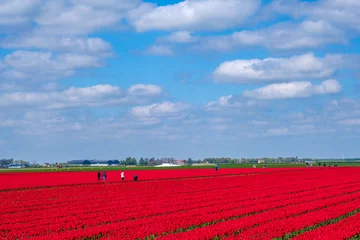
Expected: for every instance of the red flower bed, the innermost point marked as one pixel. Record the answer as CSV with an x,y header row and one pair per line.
x,y
179,204
38,179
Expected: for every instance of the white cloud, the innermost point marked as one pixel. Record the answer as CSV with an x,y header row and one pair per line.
x,y
81,17
277,132
293,90
354,121
145,90
307,34
16,12
281,36
230,101
72,97
193,15
94,96
45,65
68,44
159,109
178,37
61,17
273,69
259,123
159,50
344,13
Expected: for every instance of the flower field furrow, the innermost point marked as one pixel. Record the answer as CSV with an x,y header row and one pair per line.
x,y
228,227
97,207
173,222
235,212
18,181
122,214
344,229
180,204
280,227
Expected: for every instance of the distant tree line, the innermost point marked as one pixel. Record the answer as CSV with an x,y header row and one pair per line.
x,y
5,162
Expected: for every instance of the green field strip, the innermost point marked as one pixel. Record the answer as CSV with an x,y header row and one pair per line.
x,y
356,237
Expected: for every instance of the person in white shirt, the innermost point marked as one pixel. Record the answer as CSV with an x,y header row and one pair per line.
x,y
122,176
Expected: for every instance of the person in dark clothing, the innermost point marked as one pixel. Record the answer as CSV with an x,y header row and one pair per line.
x,y
135,178
216,167
98,175
319,164
104,176
324,164
307,164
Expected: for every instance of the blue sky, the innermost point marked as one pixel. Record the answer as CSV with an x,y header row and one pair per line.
x,y
197,78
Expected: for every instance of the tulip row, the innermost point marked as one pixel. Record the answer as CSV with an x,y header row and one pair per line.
x,y
49,179
344,229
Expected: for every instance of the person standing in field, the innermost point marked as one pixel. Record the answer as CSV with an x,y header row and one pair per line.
x,y
122,176
98,175
104,175
216,167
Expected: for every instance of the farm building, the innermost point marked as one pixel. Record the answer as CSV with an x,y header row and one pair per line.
x,y
14,166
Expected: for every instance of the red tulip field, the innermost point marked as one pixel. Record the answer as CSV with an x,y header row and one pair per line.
x,y
287,203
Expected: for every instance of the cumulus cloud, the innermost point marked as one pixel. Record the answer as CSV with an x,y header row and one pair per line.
x,y
46,65
145,90
63,44
274,69
281,36
82,17
159,109
94,96
65,17
159,50
343,13
293,90
277,132
72,97
354,121
17,12
178,37
230,101
193,15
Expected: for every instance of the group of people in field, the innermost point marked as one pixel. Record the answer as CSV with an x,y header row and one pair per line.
x,y
319,164
103,176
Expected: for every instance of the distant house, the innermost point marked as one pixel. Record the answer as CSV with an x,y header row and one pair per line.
x,y
180,162
167,165
14,166
95,163
46,165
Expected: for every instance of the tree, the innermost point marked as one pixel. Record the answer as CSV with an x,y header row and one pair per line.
x,y
189,161
6,161
130,161
142,162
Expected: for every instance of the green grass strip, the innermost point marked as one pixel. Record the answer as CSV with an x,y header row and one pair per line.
x,y
316,226
99,236
356,237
